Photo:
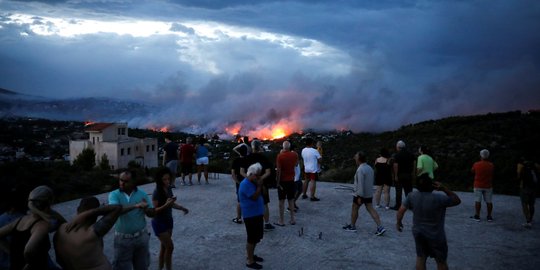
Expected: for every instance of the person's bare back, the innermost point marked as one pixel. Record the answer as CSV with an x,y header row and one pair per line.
x,y
81,249
79,244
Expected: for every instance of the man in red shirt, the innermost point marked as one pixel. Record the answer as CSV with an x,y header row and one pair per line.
x,y
286,161
187,154
483,176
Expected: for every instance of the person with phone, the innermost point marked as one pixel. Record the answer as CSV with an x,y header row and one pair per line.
x,y
164,201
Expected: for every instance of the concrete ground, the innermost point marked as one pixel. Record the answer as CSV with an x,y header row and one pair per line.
x,y
206,238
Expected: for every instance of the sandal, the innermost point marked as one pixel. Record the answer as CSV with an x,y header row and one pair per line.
x,y
237,220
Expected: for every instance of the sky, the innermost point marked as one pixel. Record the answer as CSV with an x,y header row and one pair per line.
x,y
278,66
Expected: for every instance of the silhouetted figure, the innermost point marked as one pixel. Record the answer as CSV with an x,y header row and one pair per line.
x,y
429,211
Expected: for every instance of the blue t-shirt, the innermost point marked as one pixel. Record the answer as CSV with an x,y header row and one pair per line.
x,y
134,220
202,151
250,207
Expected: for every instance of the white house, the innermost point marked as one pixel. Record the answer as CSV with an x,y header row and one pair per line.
x,y
112,140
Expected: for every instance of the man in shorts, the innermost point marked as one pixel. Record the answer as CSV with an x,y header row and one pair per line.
x,y
312,160
286,161
252,204
187,154
429,210
483,177
363,194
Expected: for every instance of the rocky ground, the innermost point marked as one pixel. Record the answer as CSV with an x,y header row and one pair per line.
x,y
206,238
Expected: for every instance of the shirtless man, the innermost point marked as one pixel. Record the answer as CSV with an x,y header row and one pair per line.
x,y
79,244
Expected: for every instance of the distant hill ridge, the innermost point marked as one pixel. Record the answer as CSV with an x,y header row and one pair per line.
x,y
7,92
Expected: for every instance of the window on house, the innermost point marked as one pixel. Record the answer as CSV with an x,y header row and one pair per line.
x,y
122,151
129,151
123,131
93,140
147,148
153,148
97,139
136,148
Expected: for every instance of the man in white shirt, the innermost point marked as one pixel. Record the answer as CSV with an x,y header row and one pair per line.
x,y
312,160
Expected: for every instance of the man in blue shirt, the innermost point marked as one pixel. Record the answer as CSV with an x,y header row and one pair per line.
x,y
130,236
252,205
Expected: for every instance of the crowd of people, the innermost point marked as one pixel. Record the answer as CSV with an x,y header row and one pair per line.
x,y
78,244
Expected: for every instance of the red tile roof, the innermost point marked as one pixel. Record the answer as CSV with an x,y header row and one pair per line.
x,y
98,126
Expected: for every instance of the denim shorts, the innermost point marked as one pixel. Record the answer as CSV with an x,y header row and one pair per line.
x,y
487,193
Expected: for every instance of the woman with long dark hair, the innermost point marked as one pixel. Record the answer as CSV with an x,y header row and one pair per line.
x,y
162,224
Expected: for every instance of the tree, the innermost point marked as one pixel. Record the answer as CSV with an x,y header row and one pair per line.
x,y
86,160
104,163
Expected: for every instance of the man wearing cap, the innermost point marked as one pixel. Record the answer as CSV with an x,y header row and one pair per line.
x,y
483,176
403,172
131,236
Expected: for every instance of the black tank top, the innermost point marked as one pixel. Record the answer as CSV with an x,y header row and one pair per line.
x,y
384,172
19,239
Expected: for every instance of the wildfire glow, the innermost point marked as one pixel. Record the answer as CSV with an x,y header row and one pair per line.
x,y
265,132
162,129
87,123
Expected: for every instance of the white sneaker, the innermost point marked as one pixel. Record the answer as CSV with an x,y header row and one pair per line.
x,y
378,206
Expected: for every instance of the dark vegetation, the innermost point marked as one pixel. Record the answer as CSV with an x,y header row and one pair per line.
x,y
455,141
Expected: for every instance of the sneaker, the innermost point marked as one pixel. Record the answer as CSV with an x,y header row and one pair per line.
x,y
254,265
489,218
475,218
395,208
527,225
380,230
387,207
314,199
237,220
378,206
269,226
349,228
304,196
257,258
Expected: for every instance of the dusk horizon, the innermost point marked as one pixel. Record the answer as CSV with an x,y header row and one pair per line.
x,y
271,67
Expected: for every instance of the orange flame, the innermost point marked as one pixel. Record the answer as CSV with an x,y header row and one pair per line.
x,y
158,129
87,123
266,132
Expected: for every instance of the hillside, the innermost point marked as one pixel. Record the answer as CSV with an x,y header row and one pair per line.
x,y
455,142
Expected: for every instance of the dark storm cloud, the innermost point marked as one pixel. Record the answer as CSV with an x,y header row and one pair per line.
x,y
391,62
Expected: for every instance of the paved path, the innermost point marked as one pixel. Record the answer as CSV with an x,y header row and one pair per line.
x,y
206,238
